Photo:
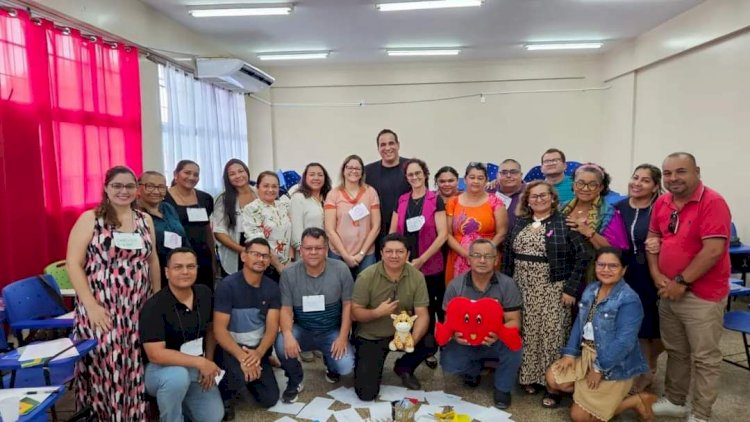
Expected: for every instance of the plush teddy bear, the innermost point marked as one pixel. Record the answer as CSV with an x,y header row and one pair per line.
x,y
475,319
402,340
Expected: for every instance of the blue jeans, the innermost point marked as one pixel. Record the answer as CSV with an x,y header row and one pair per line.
x,y
367,260
177,391
467,360
308,341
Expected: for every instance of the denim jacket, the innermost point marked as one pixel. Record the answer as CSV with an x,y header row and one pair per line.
x,y
616,322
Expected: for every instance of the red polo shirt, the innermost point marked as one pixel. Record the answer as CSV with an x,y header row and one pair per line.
x,y
704,216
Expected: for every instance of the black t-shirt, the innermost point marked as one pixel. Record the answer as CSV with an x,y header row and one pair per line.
x,y
390,183
414,209
197,232
164,318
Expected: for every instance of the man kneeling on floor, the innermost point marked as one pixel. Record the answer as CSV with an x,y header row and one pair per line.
x,y
315,312
458,357
246,321
175,328
386,288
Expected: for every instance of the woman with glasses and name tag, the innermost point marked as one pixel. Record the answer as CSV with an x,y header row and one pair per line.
x,y
226,219
194,207
152,187
420,217
471,215
111,265
548,262
268,218
352,217
643,189
601,358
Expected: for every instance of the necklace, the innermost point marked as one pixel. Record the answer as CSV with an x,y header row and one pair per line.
x,y
538,221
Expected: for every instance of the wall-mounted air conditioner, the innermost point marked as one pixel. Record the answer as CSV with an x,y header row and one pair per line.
x,y
232,74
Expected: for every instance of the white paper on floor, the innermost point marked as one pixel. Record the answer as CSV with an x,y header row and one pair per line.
x,y
440,398
348,415
381,411
348,396
285,419
393,393
317,409
418,395
427,411
288,408
468,408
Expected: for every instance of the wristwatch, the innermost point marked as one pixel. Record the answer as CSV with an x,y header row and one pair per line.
x,y
679,279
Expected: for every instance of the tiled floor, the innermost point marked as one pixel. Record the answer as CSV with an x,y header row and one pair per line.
x,y
731,405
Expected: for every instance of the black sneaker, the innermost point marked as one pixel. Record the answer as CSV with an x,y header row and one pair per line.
x,y
291,394
332,377
410,381
472,380
502,399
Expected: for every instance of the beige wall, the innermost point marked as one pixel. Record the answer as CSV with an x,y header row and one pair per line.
x,y
307,127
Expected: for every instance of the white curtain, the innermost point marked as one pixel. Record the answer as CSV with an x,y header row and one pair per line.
x,y
203,123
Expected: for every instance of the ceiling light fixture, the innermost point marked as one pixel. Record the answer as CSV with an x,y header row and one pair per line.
x,y
433,4
256,10
301,55
564,46
423,52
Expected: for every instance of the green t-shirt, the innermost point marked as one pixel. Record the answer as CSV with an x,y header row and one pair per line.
x,y
373,288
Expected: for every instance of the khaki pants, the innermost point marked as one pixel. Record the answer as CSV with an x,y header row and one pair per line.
x,y
690,330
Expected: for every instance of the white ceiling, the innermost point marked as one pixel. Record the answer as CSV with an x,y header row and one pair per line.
x,y
356,32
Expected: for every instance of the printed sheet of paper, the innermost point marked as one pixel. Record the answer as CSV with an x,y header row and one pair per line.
x,y
287,408
317,409
348,415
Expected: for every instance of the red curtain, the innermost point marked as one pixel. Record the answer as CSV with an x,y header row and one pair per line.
x,y
69,110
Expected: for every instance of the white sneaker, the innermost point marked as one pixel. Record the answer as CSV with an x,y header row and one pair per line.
x,y
693,418
664,407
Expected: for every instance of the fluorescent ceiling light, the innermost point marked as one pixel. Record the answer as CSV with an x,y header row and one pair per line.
x,y
564,46
266,10
424,52
294,56
433,4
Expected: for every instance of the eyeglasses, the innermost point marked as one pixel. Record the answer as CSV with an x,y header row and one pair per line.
x,y
352,168
180,267
552,161
397,252
674,222
414,175
313,248
479,256
119,186
539,197
150,187
507,173
587,186
258,255
608,265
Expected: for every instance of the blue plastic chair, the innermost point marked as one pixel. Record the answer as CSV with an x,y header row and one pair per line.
x,y
28,305
739,321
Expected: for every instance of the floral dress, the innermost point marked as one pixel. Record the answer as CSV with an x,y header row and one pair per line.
x,y
469,224
270,222
110,378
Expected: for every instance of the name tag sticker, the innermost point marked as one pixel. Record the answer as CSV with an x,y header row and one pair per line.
x,y
588,331
128,240
193,347
315,303
359,212
197,215
172,240
415,224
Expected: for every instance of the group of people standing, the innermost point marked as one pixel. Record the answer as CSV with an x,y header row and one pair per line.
x,y
586,282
